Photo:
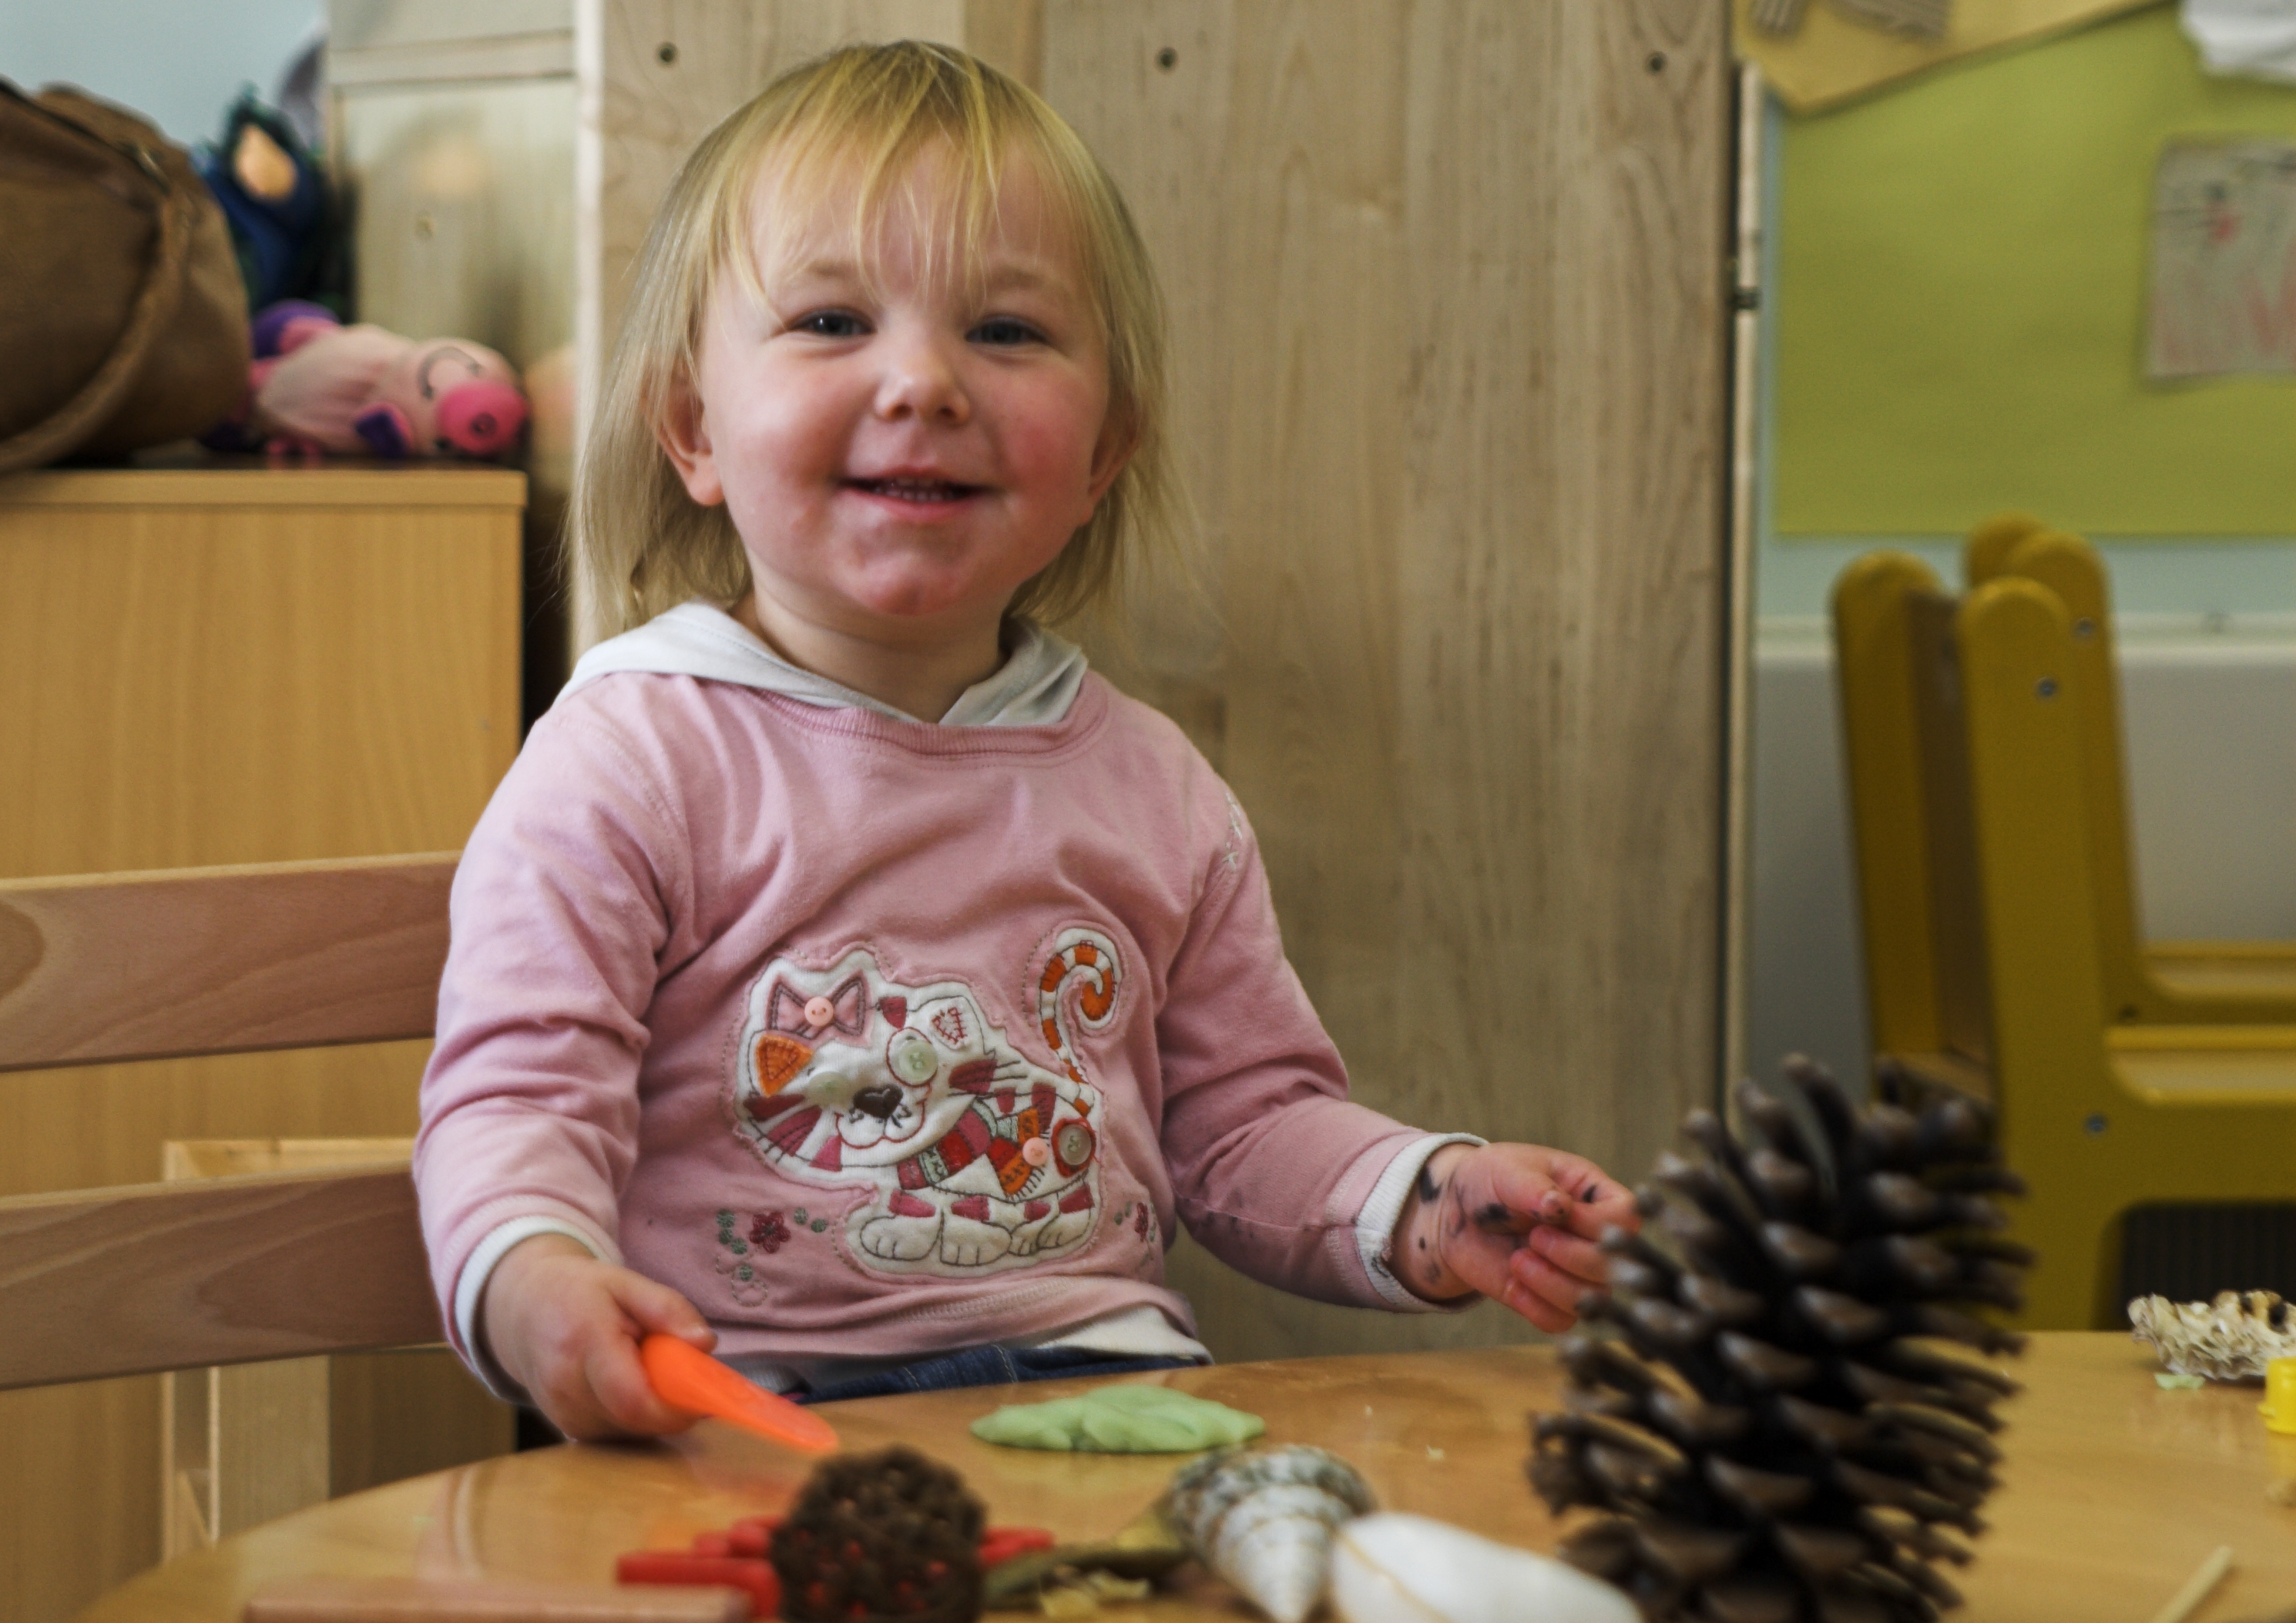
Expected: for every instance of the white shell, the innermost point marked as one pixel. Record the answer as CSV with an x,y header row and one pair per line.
x,y
1263,1521
2230,1339
1399,1568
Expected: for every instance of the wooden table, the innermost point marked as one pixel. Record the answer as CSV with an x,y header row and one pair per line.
x,y
2114,1490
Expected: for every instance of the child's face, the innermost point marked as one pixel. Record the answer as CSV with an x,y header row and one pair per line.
x,y
899,459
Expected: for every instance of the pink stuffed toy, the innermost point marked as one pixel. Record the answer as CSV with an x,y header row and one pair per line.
x,y
319,386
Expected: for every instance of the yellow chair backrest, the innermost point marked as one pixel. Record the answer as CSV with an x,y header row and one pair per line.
x,y
1955,873
1986,552
1968,735
1914,851
2069,568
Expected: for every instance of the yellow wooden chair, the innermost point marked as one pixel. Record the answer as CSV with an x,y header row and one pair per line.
x,y
1965,745
2160,982
235,1269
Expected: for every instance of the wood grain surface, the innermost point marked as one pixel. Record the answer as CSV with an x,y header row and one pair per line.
x,y
158,965
229,1270
246,482
244,1443
209,667
2113,1490
1447,292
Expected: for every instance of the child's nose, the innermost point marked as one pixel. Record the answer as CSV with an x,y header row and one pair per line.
x,y
922,381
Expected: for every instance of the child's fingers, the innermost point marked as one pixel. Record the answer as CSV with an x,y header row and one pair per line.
x,y
1538,1310
624,1394
1541,1278
1520,1193
1534,1306
1581,1258
1597,1200
654,1306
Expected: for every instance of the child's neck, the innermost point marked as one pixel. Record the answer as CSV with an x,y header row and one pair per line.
x,y
922,680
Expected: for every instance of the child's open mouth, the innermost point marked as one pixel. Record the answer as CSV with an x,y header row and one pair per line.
x,y
922,491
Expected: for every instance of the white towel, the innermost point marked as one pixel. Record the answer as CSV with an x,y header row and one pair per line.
x,y
2244,38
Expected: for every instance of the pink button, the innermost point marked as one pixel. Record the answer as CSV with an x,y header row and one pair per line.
x,y
819,1011
1035,1151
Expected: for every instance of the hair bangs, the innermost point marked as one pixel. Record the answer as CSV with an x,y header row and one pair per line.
x,y
861,131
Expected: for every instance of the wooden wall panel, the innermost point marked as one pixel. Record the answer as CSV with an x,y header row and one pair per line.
x,y
1447,288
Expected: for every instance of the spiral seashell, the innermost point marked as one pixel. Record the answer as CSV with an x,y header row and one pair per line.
x,y
1264,1520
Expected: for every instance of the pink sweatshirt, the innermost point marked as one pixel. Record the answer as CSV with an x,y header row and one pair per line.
x,y
879,1037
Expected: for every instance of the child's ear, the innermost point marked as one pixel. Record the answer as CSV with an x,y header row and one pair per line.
x,y
1119,437
685,439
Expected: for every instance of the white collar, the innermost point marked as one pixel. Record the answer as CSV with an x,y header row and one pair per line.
x,y
1033,688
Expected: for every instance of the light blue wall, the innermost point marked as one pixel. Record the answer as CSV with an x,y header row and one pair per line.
x,y
178,63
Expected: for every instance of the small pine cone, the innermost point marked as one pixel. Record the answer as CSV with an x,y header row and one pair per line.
x,y
1765,1419
884,1537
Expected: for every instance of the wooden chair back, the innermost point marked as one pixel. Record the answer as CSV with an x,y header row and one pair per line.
x,y
105,968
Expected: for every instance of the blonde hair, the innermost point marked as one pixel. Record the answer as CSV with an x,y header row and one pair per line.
x,y
636,543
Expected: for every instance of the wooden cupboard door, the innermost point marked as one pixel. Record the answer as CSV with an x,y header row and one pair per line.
x,y
1447,293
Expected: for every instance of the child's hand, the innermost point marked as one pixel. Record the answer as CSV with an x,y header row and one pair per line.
x,y
1515,1222
565,1326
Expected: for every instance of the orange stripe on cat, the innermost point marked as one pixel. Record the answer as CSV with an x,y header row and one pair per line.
x,y
1053,973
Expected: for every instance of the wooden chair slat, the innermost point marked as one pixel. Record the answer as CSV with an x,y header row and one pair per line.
x,y
102,968
225,1270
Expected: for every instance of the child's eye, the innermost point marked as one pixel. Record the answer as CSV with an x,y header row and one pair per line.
x,y
1005,330
830,324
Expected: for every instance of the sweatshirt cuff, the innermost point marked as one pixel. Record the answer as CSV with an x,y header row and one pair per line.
x,y
1375,1225
471,1289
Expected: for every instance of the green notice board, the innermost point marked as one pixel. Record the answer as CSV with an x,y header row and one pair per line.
x,y
1961,288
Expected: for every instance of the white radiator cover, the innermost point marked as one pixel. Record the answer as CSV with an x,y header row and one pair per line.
x,y
2209,718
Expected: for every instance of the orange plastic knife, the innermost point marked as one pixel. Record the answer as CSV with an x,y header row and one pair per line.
x,y
685,1377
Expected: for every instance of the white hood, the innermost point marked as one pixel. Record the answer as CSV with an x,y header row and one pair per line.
x,y
1033,688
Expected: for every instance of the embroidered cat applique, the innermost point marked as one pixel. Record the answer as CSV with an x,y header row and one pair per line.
x,y
975,1157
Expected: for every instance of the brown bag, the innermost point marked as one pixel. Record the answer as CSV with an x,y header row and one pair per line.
x,y
123,321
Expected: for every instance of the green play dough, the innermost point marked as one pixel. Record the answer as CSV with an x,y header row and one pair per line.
x,y
1119,1420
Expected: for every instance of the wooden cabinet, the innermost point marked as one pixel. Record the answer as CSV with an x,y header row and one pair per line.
x,y
206,665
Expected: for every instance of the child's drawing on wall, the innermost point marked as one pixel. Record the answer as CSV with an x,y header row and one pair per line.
x,y
2224,259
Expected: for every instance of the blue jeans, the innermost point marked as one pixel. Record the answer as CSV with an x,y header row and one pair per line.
x,y
986,1367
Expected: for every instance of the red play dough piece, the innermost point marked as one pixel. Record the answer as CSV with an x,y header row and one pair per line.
x,y
685,1377
1003,1543
754,1578
751,1535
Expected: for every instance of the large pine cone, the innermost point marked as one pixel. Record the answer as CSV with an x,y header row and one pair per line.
x,y
1768,1420
884,1537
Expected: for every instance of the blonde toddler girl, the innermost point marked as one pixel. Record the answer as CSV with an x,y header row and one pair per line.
x,y
844,977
